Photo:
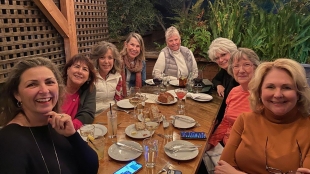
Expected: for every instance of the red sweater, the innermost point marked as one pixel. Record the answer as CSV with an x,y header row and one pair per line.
x,y
237,102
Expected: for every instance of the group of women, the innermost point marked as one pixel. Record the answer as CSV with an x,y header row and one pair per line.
x,y
265,111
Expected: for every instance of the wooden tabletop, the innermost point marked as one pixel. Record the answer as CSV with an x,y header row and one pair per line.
x,y
203,112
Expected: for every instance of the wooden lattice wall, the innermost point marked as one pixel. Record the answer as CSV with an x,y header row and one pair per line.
x,y
25,32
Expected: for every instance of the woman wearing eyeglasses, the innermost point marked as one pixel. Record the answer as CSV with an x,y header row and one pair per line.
x,y
219,52
275,137
242,65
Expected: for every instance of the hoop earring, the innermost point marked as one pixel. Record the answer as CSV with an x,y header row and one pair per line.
x,y
19,104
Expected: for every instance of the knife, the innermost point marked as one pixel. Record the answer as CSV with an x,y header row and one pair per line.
x,y
184,119
129,147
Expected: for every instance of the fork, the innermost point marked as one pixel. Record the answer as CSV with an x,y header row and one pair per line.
x,y
123,110
185,149
165,168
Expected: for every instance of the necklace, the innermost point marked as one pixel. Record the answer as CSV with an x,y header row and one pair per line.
x,y
41,151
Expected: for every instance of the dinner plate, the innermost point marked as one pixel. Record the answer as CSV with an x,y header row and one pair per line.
x,y
180,155
124,104
122,154
133,133
100,130
202,97
179,123
172,102
174,82
140,118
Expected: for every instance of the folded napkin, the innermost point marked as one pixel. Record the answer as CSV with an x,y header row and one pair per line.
x,y
201,96
150,81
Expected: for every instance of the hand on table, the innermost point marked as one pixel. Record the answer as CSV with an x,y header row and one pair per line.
x,y
220,90
62,123
223,167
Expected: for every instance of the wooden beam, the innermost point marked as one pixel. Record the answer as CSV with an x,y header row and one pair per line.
x,y
67,9
53,14
63,21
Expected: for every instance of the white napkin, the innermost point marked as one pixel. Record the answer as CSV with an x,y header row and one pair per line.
x,y
150,81
201,96
173,78
151,98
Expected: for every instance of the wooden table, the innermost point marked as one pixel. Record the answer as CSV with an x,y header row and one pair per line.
x,y
203,112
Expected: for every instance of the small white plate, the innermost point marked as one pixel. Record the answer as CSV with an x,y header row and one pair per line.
x,y
181,155
178,123
100,130
174,101
140,118
174,82
149,82
202,97
121,154
124,104
137,134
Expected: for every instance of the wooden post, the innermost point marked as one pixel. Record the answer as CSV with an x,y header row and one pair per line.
x,y
63,21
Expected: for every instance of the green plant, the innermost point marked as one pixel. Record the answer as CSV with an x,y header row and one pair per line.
x,y
127,16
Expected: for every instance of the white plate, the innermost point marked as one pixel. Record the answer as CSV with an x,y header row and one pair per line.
x,y
174,82
138,134
174,101
178,123
124,104
100,130
149,82
140,118
181,155
121,154
204,97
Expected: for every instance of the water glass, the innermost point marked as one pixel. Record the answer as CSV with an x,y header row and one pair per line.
x,y
112,124
168,128
98,145
150,150
87,129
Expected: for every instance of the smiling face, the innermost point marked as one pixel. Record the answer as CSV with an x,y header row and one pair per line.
x,y
243,71
174,42
279,93
106,62
38,90
133,48
78,74
222,59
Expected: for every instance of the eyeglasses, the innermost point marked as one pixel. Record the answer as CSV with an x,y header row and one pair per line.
x,y
245,66
278,171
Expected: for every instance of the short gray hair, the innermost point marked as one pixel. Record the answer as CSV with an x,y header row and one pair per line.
x,y
172,31
221,45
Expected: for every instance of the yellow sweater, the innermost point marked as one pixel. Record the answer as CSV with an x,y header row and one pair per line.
x,y
245,149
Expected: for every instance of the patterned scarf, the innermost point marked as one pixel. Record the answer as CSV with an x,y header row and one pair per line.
x,y
136,67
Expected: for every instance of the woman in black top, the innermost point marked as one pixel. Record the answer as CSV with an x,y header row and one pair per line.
x,y
219,52
35,138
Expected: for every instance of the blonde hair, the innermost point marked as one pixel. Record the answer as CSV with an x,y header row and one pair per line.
x,y
221,45
172,31
137,36
242,53
295,70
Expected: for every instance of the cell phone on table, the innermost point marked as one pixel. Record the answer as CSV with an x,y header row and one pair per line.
x,y
130,168
193,135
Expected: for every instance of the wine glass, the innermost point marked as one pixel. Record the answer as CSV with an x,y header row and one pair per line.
x,y
181,93
133,91
152,126
157,79
198,80
135,100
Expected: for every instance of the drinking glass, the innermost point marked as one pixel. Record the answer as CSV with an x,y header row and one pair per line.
x,y
112,123
168,128
181,93
87,129
150,150
198,81
135,100
133,91
157,79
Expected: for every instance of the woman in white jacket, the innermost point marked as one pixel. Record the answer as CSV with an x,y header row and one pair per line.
x,y
108,62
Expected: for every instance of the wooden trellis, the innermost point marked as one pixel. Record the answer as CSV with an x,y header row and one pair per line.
x,y
33,28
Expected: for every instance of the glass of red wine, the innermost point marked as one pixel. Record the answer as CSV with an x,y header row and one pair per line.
x,y
158,79
198,80
181,93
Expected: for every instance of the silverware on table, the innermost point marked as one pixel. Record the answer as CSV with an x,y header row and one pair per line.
x,y
165,168
123,110
129,147
161,135
184,119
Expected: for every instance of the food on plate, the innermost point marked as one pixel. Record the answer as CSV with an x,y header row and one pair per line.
x,y
165,97
155,113
139,126
133,132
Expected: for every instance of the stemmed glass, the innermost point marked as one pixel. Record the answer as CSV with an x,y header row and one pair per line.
x,y
181,93
157,79
152,126
135,99
198,80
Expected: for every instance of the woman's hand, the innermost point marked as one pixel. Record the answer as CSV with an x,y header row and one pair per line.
x,y
303,170
223,167
62,123
209,146
220,90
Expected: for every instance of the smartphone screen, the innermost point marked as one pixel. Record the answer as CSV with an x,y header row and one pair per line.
x,y
129,168
193,135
